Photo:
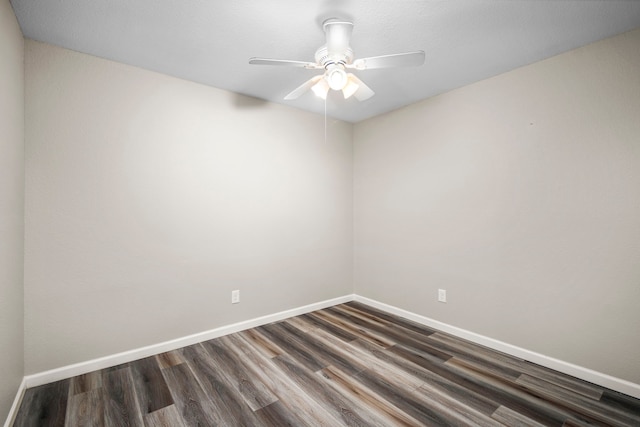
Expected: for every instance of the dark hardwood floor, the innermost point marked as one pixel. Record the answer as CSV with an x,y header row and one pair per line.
x,y
345,365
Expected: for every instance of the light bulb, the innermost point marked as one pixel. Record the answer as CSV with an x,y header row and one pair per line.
x,y
337,78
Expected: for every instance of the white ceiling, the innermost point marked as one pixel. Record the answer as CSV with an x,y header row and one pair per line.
x,y
210,42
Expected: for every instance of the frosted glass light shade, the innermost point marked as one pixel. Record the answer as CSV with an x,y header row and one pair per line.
x,y
350,88
321,88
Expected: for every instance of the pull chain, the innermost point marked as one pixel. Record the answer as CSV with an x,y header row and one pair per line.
x,y
325,121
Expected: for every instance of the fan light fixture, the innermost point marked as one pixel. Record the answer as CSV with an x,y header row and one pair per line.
x,y
337,78
321,88
350,88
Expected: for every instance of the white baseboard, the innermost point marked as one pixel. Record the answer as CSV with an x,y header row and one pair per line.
x,y
604,380
16,404
65,372
129,356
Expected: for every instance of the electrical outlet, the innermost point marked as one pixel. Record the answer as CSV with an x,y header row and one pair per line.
x,y
235,297
442,295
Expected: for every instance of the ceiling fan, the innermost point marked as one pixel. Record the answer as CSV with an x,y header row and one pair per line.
x,y
335,57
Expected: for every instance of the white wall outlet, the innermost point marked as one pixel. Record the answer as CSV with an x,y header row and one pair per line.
x,y
442,295
235,297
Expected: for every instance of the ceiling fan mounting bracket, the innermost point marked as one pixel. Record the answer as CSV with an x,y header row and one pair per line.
x,y
327,23
337,49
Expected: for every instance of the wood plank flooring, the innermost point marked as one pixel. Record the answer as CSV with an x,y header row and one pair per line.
x,y
346,365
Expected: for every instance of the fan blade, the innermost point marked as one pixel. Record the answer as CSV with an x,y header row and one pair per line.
x,y
284,62
408,59
302,88
363,92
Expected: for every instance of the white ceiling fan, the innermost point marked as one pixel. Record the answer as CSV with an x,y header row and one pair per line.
x,y
335,57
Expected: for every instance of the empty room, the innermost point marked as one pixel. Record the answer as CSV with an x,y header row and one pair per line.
x,y
319,213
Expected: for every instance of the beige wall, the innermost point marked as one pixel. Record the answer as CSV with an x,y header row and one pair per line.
x,y
519,195
149,199
11,205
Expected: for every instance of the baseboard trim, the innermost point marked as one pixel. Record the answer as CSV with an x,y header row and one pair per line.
x,y
131,355
16,404
599,378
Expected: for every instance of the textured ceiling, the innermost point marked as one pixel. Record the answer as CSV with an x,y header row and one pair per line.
x,y
210,42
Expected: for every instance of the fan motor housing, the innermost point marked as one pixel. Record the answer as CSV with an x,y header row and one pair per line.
x,y
322,57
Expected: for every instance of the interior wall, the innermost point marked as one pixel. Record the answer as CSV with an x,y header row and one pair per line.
x,y
11,206
149,199
520,196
